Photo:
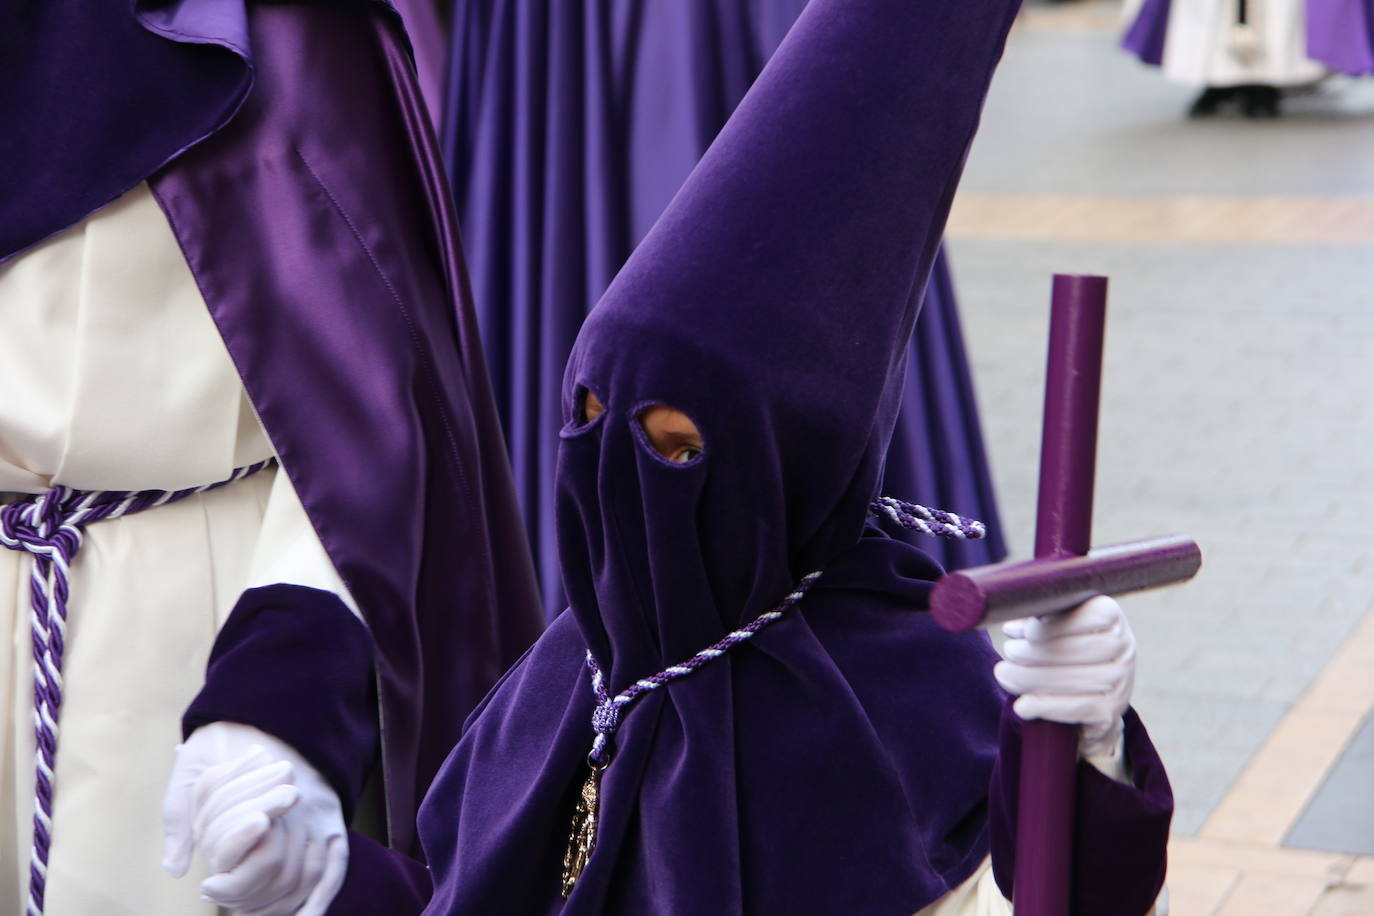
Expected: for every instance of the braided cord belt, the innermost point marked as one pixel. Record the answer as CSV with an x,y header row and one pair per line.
x,y
49,527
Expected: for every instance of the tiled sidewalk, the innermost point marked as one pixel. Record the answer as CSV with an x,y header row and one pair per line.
x,y
1237,407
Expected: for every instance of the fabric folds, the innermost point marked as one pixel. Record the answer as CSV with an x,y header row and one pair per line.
x,y
319,230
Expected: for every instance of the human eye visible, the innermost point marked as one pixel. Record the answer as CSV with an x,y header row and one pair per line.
x,y
672,434
686,454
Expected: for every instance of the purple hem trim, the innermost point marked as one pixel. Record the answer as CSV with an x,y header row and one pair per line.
x,y
380,881
1145,37
295,663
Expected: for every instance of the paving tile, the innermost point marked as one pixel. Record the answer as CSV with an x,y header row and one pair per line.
x,y
1083,117
1243,857
1362,871
1340,817
1345,900
1272,895
1195,891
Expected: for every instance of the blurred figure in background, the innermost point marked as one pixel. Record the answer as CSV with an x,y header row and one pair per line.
x,y
1247,52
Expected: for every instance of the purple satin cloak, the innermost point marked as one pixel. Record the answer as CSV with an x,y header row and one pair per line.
x,y
320,232
426,32
568,128
1340,34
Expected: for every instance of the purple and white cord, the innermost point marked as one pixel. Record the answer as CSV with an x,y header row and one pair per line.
x,y
935,522
48,526
610,709
606,716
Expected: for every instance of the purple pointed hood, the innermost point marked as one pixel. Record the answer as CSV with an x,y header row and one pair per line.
x,y
839,761
773,303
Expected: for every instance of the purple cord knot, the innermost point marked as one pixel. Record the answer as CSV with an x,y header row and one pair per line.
x,y
605,718
38,527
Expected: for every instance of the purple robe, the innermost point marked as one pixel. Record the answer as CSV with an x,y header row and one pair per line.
x,y
1145,36
569,126
318,225
1340,34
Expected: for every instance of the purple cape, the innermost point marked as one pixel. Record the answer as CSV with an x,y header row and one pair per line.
x,y
568,128
319,228
840,762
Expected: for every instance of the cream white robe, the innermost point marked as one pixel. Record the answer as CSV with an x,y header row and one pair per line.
x,y
117,379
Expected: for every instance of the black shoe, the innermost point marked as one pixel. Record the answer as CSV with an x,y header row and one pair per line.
x,y
1212,98
1260,101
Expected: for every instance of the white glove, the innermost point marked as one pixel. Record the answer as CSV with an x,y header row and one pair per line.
x,y
1077,668
268,826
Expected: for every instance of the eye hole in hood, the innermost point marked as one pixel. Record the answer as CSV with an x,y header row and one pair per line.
x,y
670,433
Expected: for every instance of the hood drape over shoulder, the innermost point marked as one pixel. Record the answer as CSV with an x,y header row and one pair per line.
x,y
839,761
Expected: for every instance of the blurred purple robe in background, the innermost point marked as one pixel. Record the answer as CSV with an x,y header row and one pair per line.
x,y
1340,34
568,127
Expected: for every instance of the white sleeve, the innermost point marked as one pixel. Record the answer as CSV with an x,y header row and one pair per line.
x,y
288,550
978,896
1112,765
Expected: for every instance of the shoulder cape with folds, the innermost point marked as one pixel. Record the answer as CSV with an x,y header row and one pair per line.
x,y
290,149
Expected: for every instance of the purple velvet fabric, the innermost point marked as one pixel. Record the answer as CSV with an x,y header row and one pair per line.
x,y
1340,34
569,127
95,100
1121,831
320,231
839,762
936,457
380,882
295,663
1145,36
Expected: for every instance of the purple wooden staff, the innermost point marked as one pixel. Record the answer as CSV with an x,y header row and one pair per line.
x,y
1063,574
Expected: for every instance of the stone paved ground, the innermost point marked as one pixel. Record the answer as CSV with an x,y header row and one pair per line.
x,y
1238,407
